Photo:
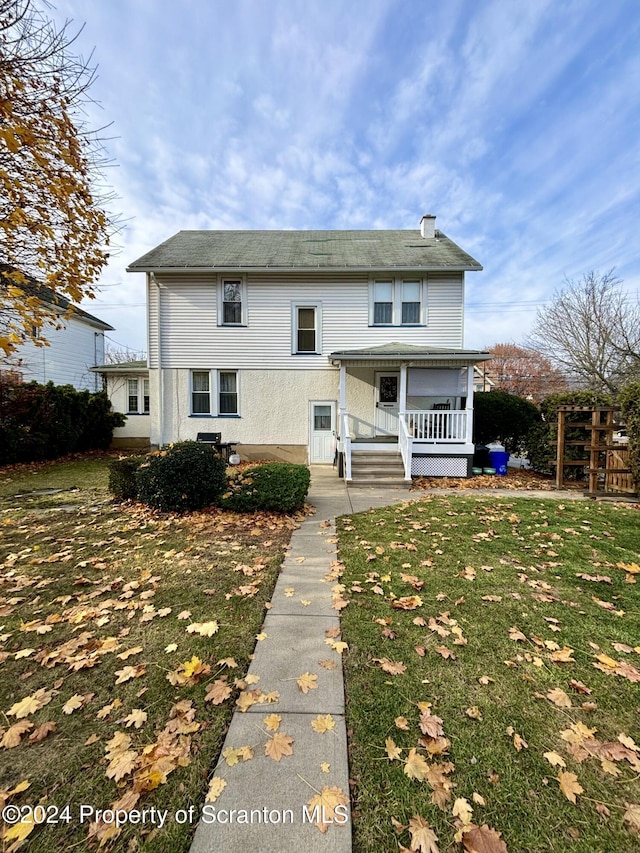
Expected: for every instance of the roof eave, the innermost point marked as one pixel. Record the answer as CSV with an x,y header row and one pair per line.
x,y
319,268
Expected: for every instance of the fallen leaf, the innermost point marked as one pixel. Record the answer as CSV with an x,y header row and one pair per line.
x,y
218,692
559,698
307,681
415,767
13,735
392,667
42,731
327,801
474,713
136,718
423,838
555,759
73,704
323,723
272,722
569,785
632,816
483,839
278,746
393,751
216,787
402,723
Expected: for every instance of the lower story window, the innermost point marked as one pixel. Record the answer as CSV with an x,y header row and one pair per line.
x,y
138,396
214,392
228,385
200,392
132,396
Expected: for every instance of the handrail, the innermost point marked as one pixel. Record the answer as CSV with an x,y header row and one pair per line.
x,y
405,442
345,437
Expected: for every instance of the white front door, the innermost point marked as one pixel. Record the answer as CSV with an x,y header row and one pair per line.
x,y
387,396
322,428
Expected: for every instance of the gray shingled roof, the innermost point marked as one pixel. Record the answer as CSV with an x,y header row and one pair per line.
x,y
418,353
286,250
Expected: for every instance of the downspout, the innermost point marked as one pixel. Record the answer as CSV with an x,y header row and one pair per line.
x,y
160,371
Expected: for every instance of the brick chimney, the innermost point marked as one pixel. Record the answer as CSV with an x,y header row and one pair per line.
x,y
428,226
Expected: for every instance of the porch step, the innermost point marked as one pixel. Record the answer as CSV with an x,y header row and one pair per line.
x,y
369,468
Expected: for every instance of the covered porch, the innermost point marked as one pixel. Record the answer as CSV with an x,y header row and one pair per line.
x,y
412,401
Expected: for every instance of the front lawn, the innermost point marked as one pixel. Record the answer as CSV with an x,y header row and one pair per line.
x,y
124,637
492,677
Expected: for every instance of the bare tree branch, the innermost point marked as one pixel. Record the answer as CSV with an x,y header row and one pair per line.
x,y
591,331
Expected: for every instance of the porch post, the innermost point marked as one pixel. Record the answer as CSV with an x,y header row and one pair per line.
x,y
469,407
402,407
342,405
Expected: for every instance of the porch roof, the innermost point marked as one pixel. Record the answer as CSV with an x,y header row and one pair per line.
x,y
410,354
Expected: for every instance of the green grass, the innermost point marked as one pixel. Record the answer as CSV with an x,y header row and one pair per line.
x,y
81,480
99,570
529,553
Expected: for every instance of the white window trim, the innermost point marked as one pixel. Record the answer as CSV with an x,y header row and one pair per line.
x,y
396,311
140,380
295,306
244,312
214,393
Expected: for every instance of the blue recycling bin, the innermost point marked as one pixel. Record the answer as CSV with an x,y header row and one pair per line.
x,y
499,460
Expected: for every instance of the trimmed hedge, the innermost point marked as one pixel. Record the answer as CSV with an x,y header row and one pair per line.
x,y
185,476
122,477
499,416
275,486
46,421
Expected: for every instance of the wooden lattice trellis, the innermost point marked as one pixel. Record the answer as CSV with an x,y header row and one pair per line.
x,y
606,463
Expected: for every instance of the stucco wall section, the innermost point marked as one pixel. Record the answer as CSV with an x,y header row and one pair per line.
x,y
136,426
274,406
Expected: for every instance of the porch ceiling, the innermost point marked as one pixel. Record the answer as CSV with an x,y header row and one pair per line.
x,y
398,353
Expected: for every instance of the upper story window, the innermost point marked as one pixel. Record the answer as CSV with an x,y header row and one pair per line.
x,y
306,322
138,397
397,302
383,303
232,301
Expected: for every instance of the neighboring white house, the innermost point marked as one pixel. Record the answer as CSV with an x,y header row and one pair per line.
x,y
75,345
127,385
302,344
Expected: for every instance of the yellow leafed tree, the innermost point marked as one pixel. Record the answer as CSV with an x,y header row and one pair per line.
x,y
54,228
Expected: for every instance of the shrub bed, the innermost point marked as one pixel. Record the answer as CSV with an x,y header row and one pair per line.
x,y
47,421
275,486
185,476
122,477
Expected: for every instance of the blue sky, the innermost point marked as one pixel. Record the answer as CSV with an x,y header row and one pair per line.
x,y
516,123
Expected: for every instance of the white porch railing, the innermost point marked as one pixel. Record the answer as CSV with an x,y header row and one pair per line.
x,y
439,427
405,443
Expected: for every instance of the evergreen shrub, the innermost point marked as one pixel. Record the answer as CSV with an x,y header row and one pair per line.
x,y
185,476
274,486
122,477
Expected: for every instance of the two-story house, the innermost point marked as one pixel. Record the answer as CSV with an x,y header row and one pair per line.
x,y
312,345
74,343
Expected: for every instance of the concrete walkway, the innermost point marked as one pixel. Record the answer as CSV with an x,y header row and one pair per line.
x,y
268,796
296,627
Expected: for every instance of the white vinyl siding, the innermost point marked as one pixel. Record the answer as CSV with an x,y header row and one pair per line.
x,y
191,335
73,349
